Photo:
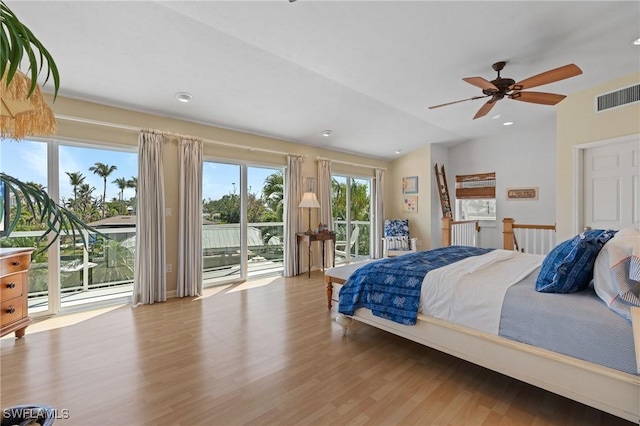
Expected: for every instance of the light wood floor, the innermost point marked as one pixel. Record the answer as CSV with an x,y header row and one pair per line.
x,y
266,352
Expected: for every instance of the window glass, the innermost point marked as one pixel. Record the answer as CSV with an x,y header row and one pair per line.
x,y
476,209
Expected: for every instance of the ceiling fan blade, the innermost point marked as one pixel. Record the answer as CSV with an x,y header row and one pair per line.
x,y
484,110
481,83
456,102
547,77
537,97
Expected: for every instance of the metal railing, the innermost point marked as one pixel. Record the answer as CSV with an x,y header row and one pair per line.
x,y
109,258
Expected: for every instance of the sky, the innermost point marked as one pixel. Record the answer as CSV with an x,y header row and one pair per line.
x,y
27,160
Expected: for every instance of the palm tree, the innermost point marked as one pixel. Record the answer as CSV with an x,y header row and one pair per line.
x,y
76,179
122,184
103,170
86,205
273,192
133,183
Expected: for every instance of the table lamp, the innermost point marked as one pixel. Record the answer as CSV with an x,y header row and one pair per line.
x,y
309,201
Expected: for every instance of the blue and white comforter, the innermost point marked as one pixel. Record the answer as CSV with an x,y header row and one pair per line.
x,y
390,288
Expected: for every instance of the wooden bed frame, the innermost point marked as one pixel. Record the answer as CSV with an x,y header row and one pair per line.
x,y
604,388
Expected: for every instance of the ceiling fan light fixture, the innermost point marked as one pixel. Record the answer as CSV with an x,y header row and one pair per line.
x,y
184,97
507,88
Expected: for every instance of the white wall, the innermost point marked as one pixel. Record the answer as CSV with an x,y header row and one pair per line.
x,y
520,157
579,123
416,163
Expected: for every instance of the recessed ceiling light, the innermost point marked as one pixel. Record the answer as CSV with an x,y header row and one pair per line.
x,y
326,133
397,151
496,116
183,97
636,42
508,123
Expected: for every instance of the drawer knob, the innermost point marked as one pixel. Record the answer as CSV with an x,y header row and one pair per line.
x,y
11,310
11,285
15,263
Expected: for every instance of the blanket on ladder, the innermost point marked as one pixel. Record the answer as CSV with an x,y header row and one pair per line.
x,y
390,287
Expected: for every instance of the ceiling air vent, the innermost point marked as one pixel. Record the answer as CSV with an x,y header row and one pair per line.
x,y
618,98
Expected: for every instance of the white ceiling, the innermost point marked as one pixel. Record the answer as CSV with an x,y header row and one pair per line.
x,y
366,70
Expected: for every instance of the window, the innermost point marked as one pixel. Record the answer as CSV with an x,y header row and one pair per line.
x,y
476,197
97,184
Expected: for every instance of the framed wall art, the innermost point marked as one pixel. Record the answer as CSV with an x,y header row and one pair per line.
x,y
410,204
410,185
525,194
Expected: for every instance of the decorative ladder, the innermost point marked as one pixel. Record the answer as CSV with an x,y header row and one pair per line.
x,y
443,191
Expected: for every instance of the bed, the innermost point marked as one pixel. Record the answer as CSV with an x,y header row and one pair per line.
x,y
567,365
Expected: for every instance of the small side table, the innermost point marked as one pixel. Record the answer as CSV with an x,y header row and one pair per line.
x,y
322,237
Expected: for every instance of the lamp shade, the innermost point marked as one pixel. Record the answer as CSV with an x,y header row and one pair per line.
x,y
309,201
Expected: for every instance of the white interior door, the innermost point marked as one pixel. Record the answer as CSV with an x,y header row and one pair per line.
x,y
612,185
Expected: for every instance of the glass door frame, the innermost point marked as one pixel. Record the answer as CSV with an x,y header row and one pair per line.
x,y
244,221
349,178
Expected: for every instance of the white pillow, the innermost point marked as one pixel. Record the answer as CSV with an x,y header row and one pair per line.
x,y
616,272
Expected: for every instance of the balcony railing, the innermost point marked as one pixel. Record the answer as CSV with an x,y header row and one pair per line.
x,y
361,248
106,269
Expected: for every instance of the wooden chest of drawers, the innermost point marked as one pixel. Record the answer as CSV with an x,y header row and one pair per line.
x,y
14,286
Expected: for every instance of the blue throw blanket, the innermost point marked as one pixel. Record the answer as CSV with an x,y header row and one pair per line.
x,y
390,287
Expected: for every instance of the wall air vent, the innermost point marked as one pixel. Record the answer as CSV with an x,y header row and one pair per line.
x,y
618,98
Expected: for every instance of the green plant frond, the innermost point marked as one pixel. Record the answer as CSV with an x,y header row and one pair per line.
x,y
4,48
14,221
56,218
45,56
24,44
15,56
16,40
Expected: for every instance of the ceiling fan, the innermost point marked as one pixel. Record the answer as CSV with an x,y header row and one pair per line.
x,y
506,87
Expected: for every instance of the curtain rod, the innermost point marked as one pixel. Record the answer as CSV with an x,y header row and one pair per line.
x,y
351,164
137,129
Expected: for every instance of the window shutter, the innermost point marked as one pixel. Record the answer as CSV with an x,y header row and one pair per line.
x,y
481,185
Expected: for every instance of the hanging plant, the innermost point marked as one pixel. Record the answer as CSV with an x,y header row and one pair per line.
x,y
16,42
21,109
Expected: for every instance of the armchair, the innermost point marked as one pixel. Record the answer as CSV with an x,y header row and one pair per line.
x,y
396,239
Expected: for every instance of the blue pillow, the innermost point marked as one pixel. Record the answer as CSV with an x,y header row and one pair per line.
x,y
396,228
569,266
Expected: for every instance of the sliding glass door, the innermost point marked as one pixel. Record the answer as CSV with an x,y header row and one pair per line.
x,y
242,221
97,184
352,217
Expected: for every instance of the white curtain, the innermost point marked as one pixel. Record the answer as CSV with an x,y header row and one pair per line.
x,y
326,202
378,214
292,218
149,283
190,218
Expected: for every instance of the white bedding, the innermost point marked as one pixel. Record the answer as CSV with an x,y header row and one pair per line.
x,y
470,292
